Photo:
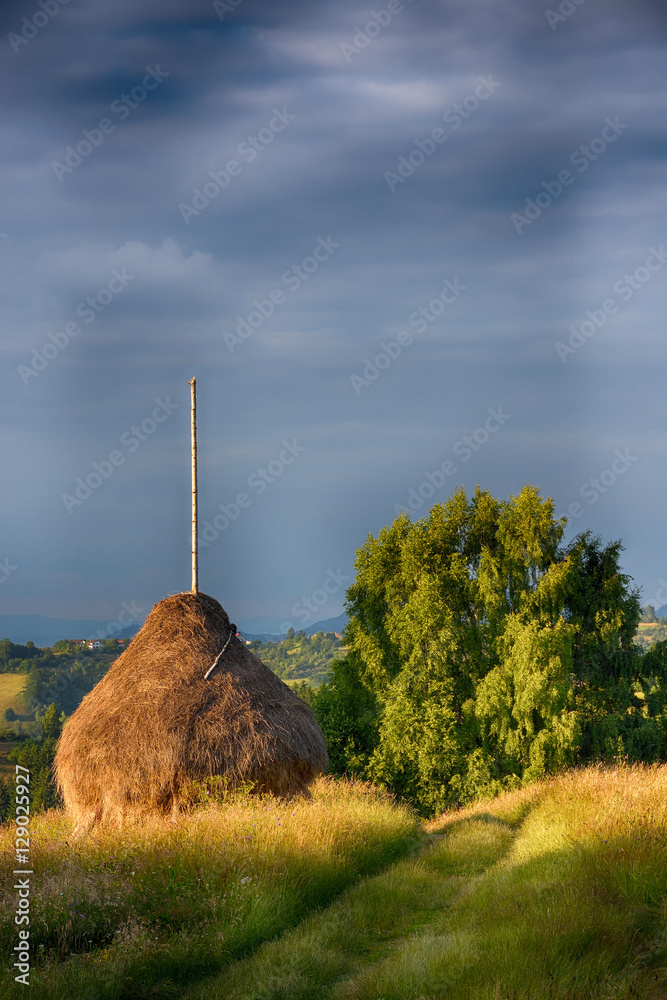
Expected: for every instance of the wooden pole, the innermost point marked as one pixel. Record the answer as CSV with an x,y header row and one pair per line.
x,y
193,435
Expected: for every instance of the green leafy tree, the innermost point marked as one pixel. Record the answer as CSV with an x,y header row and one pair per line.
x,y
38,757
487,654
33,687
51,722
5,801
347,712
419,749
64,646
306,692
43,790
300,657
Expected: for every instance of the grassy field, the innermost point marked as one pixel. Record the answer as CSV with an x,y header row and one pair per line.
x,y
145,912
558,890
11,694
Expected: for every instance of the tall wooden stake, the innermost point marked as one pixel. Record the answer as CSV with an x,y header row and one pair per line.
x,y
193,433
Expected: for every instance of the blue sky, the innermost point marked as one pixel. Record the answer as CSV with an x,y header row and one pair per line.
x,y
403,248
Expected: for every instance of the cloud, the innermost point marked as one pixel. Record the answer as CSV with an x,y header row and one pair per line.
x,y
323,175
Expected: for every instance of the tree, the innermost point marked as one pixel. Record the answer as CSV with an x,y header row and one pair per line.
x,y
290,632
10,714
64,646
51,722
43,793
347,712
32,691
5,801
484,653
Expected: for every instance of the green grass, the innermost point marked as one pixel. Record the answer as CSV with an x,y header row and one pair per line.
x,y
12,687
147,911
11,694
555,891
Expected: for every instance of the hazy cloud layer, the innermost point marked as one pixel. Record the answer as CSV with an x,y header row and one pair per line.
x,y
266,199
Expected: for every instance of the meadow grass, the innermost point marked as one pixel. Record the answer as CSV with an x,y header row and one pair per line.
x,y
558,890
145,911
12,687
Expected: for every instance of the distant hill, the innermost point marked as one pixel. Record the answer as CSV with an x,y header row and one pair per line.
x,y
336,624
647,634
260,625
327,625
45,631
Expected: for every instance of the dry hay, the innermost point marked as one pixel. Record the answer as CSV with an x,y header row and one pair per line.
x,y
153,723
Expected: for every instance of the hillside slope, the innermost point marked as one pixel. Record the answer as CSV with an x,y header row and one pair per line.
x,y
144,911
558,890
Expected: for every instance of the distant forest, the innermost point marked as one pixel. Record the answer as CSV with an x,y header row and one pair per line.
x,y
61,675
300,657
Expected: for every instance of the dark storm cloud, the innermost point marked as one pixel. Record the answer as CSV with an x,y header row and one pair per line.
x,y
200,263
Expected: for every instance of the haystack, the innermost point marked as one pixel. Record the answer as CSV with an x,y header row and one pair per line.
x,y
156,721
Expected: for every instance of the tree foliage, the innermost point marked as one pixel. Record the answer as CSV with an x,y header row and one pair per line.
x,y
483,654
299,656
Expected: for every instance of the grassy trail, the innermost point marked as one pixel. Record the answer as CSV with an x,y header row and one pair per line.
x,y
145,911
555,891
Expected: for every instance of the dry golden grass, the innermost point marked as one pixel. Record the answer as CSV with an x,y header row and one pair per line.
x,y
557,891
161,904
